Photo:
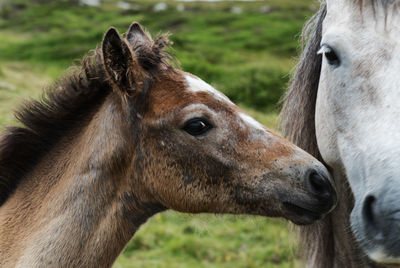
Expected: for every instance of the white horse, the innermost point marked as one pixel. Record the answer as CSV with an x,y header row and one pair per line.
x,y
345,99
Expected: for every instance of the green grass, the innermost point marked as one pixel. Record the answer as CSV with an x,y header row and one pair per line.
x,y
179,240
248,56
18,82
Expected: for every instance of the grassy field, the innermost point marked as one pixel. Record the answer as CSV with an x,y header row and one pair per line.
x,y
245,49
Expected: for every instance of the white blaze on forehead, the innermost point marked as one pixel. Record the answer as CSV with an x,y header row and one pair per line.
x,y
197,85
250,121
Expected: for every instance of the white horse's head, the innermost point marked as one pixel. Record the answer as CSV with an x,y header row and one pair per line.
x,y
358,115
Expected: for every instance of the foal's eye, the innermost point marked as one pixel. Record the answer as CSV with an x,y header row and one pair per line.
x,y
330,55
197,126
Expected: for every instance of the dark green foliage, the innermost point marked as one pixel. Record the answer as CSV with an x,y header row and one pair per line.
x,y
246,55
257,87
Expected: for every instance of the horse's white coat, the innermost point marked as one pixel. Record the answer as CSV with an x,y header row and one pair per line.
x,y
358,106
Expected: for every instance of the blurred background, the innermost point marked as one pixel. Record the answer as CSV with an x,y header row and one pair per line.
x,y
246,49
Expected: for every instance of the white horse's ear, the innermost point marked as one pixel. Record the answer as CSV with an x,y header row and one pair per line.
x,y
136,34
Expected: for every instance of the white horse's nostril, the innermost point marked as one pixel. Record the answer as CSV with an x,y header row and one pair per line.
x,y
379,226
369,212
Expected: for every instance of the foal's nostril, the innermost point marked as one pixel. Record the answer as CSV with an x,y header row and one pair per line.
x,y
368,210
319,185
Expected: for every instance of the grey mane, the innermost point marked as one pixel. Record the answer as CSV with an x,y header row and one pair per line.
x,y
297,124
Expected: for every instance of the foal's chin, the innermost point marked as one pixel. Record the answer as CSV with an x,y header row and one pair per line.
x,y
302,209
303,213
297,214
303,217
299,209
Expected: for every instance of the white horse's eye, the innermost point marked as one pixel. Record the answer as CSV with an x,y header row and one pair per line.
x,y
330,55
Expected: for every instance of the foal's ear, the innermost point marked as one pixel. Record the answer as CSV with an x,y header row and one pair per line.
x,y
136,34
120,63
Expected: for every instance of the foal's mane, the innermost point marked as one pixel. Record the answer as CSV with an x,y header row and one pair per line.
x,y
65,107
298,125
62,108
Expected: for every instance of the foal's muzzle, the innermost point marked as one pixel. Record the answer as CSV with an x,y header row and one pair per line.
x,y
320,198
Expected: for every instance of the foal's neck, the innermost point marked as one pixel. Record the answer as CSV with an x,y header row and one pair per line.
x,y
93,204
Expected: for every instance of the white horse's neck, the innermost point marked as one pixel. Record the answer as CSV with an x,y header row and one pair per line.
x,y
88,211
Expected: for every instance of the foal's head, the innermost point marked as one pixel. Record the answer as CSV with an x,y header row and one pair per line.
x,y
192,150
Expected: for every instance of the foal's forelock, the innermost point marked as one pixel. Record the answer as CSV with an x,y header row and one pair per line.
x,y
150,52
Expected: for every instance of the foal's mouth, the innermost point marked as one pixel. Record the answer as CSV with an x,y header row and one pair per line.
x,y
301,214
